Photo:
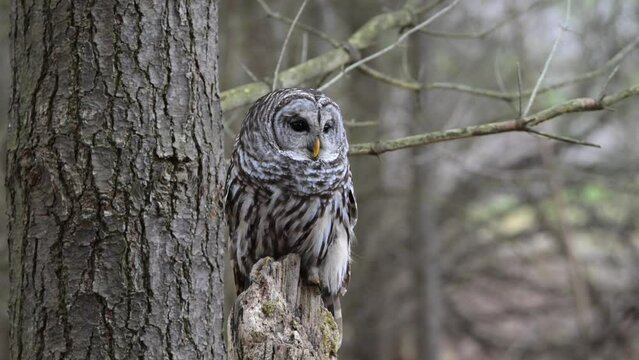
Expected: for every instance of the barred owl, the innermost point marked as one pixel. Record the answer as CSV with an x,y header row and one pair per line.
x,y
289,190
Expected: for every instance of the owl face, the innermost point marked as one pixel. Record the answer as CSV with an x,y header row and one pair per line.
x,y
294,139
306,129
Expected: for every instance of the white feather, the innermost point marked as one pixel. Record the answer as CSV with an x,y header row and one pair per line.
x,y
333,268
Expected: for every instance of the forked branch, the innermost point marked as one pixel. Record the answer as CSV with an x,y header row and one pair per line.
x,y
522,125
366,36
332,60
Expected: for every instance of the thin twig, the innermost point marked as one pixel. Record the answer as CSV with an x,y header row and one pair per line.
x,y
621,55
286,39
327,62
405,84
301,25
364,37
248,72
548,60
356,124
562,138
498,78
501,94
304,52
519,90
429,7
391,46
410,85
500,84
602,92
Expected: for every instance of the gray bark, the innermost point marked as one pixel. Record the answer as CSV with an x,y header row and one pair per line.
x,y
114,165
278,317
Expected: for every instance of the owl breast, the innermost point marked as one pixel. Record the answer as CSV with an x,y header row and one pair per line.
x,y
267,220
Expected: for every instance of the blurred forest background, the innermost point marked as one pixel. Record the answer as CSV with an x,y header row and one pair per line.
x,y
508,246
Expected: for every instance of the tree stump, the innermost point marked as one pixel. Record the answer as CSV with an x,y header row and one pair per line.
x,y
279,317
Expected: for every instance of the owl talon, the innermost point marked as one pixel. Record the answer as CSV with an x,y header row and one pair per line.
x,y
312,278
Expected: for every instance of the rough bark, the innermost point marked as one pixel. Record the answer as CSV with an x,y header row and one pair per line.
x,y
114,164
278,317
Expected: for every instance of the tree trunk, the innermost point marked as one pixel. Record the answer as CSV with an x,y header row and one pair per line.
x,y
280,318
425,229
114,166
426,263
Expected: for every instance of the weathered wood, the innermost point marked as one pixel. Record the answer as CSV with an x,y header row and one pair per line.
x,y
279,317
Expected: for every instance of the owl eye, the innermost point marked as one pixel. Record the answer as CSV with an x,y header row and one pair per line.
x,y
327,128
299,125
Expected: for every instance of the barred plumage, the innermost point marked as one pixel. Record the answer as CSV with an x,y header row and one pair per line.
x,y
289,189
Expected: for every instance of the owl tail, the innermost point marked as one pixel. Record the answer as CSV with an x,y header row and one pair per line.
x,y
332,303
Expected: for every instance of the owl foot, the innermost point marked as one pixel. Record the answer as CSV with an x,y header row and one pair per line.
x,y
312,276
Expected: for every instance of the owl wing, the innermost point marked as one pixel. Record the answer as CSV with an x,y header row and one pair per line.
x,y
232,208
332,301
351,206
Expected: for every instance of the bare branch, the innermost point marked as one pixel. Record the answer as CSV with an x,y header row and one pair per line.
x,y
286,39
500,84
391,46
356,124
562,138
363,38
382,146
548,60
410,85
514,95
473,90
602,92
248,72
502,95
406,84
571,106
426,8
303,26
519,109
304,52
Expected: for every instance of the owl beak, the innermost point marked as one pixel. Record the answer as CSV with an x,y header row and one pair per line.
x,y
316,148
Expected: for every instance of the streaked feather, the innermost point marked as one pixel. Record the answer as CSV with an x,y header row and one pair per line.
x,y
276,205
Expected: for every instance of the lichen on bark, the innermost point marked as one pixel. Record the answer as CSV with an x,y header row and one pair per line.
x,y
279,317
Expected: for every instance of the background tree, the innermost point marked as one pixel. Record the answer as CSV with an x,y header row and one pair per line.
x,y
115,161
511,271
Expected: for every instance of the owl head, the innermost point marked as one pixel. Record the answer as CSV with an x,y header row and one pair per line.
x,y
302,125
